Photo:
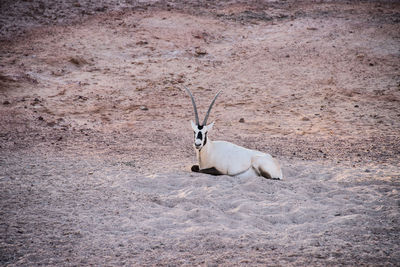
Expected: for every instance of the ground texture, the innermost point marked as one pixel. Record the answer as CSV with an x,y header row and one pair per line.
x,y
96,143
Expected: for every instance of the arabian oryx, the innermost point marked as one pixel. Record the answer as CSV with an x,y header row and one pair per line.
x,y
221,157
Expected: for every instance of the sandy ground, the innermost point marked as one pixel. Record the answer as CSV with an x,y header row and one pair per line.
x,y
96,144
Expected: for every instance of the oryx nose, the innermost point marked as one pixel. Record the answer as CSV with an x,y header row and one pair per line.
x,y
197,142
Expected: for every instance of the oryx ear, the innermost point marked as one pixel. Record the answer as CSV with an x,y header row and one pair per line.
x,y
210,126
194,126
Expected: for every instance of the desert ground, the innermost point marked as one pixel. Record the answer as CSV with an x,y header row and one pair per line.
x,y
96,144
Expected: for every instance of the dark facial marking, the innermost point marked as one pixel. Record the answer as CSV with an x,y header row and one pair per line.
x,y
200,136
205,139
200,127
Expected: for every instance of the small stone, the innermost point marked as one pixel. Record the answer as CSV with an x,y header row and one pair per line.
x,y
82,98
78,61
40,118
143,108
241,120
200,51
51,123
356,106
142,43
305,119
6,102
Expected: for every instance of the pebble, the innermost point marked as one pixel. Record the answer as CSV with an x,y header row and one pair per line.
x,y
200,51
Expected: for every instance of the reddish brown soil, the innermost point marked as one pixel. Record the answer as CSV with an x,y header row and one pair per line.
x,y
96,144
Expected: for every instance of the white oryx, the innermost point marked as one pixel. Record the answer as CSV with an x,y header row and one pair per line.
x,y
220,157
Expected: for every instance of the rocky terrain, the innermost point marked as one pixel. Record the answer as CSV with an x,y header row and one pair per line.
x,y
96,144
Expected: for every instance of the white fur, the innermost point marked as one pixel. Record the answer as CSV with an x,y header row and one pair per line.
x,y
234,160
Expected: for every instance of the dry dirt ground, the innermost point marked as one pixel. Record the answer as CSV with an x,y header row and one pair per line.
x,y
96,144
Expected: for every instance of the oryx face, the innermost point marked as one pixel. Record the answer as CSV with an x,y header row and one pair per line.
x,y
201,130
200,134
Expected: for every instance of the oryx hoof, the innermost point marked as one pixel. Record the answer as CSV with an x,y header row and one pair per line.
x,y
195,168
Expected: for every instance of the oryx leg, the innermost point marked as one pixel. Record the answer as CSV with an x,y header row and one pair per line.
x,y
212,171
267,167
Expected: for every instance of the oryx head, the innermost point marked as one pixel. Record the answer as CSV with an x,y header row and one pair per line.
x,y
200,130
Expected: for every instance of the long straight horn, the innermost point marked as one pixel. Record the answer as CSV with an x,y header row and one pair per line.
x,y
209,109
196,115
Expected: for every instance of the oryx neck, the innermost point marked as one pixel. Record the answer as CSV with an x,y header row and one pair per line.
x,y
202,154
